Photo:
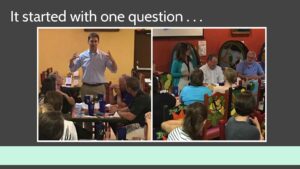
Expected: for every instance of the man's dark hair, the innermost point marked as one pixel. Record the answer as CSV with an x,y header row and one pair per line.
x,y
51,126
211,56
197,78
133,83
195,115
245,103
54,99
93,35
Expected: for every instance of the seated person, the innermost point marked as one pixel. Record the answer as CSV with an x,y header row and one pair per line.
x,y
51,125
195,91
196,115
122,97
55,101
135,112
68,101
53,83
250,69
213,73
243,127
230,77
159,101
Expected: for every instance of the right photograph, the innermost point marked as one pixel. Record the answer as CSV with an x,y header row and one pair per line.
x,y
210,84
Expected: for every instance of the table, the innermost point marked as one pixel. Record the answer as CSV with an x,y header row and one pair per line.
x,y
98,123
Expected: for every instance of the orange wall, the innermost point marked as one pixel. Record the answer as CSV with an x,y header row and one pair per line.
x,y
56,47
162,47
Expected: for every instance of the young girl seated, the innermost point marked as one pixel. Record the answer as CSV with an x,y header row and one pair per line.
x,y
196,115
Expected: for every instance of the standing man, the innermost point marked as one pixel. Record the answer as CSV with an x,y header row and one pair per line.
x,y
213,73
93,62
250,69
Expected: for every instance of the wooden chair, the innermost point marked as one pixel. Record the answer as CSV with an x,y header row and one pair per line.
x,y
218,113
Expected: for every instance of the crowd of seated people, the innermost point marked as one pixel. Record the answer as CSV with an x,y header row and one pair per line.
x,y
127,100
242,126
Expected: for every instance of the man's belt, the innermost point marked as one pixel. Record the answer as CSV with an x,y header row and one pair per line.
x,y
95,84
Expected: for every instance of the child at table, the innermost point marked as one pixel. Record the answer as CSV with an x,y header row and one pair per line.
x,y
242,126
230,77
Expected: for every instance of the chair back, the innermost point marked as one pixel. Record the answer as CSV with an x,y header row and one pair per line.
x,y
218,113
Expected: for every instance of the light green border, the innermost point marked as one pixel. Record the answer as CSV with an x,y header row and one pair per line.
x,y
149,155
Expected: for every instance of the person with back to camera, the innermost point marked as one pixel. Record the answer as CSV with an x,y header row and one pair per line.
x,y
94,63
243,127
51,125
195,91
192,93
55,101
51,84
195,118
68,101
230,77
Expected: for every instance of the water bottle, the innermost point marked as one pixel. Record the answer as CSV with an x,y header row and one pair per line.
x,y
91,108
102,103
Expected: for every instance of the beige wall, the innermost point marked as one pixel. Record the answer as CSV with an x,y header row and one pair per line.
x,y
56,47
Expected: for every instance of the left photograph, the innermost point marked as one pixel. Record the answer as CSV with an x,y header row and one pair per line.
x,y
93,84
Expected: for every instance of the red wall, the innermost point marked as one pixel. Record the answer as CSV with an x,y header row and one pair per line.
x,y
162,47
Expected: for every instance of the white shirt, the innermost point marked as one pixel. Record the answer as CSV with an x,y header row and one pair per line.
x,y
93,66
178,135
70,132
214,76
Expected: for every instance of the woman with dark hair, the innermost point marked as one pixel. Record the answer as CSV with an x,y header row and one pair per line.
x,y
195,117
195,91
54,83
190,94
182,66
